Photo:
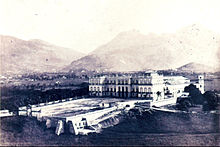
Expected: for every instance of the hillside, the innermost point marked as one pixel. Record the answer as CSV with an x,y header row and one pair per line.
x,y
132,51
20,56
196,67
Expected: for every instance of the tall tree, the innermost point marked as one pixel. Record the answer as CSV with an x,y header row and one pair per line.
x,y
195,94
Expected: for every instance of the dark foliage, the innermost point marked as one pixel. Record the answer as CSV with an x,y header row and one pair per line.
x,y
211,100
20,97
184,104
195,94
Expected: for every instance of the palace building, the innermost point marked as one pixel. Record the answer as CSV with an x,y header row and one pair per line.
x,y
149,85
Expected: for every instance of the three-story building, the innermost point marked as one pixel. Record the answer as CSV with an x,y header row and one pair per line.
x,y
148,85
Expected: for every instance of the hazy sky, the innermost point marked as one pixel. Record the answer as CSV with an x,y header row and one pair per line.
x,y
86,24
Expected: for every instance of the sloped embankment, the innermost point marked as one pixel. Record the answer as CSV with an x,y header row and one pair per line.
x,y
111,119
168,122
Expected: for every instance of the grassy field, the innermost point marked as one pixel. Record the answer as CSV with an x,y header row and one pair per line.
x,y
159,128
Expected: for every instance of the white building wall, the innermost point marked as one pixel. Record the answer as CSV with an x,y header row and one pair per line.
x,y
144,86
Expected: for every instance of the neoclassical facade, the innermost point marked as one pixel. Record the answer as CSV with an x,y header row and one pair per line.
x,y
149,85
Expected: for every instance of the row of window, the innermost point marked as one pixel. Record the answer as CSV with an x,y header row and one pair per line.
x,y
149,93
119,81
108,82
108,89
145,89
121,89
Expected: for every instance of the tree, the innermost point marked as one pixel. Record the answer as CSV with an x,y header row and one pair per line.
x,y
184,104
211,100
195,94
158,94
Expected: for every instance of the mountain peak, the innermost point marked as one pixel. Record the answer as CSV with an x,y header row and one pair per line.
x,y
195,28
132,50
20,56
197,67
129,32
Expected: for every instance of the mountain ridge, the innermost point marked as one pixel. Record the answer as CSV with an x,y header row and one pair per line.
x,y
132,51
197,68
23,56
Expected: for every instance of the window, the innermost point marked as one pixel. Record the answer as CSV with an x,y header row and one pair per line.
x,y
141,89
98,88
94,88
149,89
140,81
145,89
91,89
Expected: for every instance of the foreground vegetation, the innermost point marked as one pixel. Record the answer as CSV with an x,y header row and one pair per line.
x,y
18,98
209,100
157,128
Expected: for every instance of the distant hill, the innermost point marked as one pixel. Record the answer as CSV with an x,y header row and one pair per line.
x,y
20,56
196,68
132,51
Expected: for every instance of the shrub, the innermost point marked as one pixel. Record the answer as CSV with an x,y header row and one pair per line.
x,y
211,100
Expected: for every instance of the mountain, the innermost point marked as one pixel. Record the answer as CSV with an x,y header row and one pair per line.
x,y
132,51
196,67
20,56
